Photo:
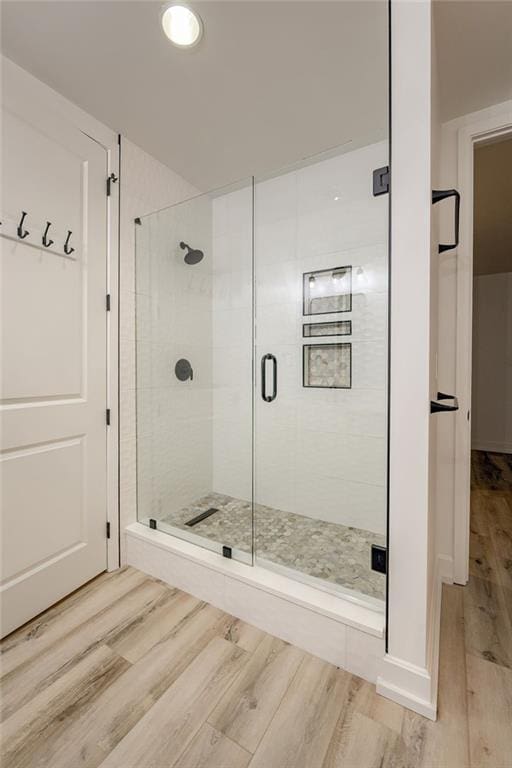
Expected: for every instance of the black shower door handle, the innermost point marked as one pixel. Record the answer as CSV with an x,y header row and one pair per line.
x,y
264,359
441,194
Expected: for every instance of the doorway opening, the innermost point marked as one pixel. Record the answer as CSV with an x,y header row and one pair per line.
x,y
490,546
489,135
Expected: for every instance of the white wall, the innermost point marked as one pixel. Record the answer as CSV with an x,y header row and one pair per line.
x,y
491,424
408,671
318,452
435,424
146,186
410,330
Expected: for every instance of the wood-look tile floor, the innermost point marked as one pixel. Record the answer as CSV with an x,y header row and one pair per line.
x,y
130,673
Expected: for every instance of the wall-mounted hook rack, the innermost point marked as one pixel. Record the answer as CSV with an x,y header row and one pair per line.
x,y
21,232
46,242
67,249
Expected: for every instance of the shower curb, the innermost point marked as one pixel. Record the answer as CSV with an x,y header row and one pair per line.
x,y
335,629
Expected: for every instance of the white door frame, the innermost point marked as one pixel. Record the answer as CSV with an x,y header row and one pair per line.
x,y
112,330
497,124
38,93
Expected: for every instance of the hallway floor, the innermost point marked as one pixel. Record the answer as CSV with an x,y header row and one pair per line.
x,y
130,673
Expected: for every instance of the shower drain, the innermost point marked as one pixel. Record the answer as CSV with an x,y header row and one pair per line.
x,y
199,518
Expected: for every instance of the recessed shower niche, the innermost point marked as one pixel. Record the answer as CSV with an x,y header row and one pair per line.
x,y
327,290
327,365
283,465
334,328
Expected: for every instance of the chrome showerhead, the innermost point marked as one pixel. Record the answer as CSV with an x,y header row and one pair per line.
x,y
192,256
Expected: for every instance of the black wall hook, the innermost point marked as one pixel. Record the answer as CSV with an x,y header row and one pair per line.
x,y
112,179
437,407
67,249
45,240
22,234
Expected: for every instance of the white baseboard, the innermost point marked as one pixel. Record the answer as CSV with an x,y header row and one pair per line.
x,y
404,695
490,445
445,567
339,631
412,686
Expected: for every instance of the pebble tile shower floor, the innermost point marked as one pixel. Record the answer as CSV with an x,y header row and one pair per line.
x,y
335,553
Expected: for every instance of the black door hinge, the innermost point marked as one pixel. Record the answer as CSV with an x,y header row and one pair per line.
x,y
108,530
108,417
108,302
379,561
381,181
112,179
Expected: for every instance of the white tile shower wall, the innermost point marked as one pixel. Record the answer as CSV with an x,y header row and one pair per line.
x,y
174,320
232,342
146,185
319,452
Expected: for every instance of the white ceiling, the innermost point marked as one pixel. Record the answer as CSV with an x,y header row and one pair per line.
x,y
474,50
269,84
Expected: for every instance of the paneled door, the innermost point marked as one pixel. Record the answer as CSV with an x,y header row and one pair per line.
x,y
54,359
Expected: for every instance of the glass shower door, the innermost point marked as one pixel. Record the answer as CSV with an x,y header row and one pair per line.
x,y
321,273
194,344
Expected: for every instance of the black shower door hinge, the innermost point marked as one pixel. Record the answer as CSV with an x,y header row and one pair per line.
x,y
379,559
112,179
381,181
107,417
108,530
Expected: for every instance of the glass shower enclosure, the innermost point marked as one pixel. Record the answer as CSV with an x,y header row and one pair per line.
x,y
194,306
261,324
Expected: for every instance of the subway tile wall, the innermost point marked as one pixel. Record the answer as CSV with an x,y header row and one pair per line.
x,y
146,186
232,342
173,322
318,452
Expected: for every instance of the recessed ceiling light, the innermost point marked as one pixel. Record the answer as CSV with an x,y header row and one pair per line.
x,y
182,26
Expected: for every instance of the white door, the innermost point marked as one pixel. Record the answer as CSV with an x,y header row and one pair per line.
x,y
54,365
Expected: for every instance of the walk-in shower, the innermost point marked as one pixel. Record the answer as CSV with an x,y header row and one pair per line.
x,y
262,371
